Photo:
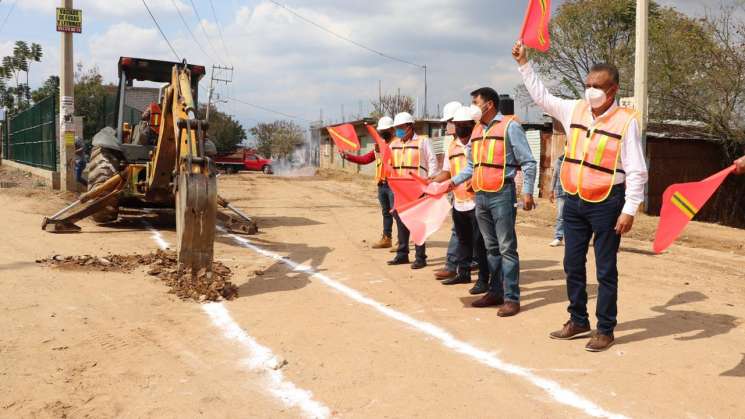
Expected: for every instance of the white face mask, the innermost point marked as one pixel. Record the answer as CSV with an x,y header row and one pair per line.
x,y
595,97
477,114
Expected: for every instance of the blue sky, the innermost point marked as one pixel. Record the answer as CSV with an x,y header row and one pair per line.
x,y
283,63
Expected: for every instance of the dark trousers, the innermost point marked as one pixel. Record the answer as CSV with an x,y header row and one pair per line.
x,y
385,197
403,242
79,168
582,220
470,243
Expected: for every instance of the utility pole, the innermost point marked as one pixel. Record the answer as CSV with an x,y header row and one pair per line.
x,y
67,100
641,73
641,69
224,75
425,92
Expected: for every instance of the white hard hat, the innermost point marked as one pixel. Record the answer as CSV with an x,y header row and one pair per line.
x,y
385,123
449,110
463,114
402,119
476,113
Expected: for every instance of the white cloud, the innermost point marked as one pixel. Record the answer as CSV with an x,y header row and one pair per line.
x,y
106,8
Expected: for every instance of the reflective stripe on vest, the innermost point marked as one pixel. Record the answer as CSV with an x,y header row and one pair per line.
x,y
592,152
406,156
489,153
458,161
379,175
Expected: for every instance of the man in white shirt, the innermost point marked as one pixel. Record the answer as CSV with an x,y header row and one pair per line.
x,y
410,153
470,241
604,174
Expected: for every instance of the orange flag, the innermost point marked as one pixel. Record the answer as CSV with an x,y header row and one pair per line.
x,y
680,203
405,190
385,150
424,216
535,28
345,137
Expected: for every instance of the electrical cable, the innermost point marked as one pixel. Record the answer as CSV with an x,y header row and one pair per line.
x,y
161,31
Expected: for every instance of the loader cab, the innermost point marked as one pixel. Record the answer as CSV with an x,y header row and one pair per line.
x,y
148,71
152,71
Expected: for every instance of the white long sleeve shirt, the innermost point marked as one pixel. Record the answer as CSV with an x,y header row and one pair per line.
x,y
428,159
631,158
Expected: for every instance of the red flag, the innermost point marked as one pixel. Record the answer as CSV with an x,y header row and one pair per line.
x,y
345,137
535,28
680,203
384,149
405,190
424,216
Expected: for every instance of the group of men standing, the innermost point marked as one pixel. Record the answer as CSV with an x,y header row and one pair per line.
x,y
599,182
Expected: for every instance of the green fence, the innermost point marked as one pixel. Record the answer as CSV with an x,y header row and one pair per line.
x,y
32,136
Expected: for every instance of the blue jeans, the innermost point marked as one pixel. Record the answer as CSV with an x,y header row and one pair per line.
x,y
79,168
496,215
559,231
451,260
582,220
385,197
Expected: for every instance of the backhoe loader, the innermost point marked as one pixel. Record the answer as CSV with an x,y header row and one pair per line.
x,y
175,171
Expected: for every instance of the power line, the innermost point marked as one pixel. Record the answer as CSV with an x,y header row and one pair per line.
x,y
186,25
344,38
201,25
219,31
161,31
265,109
7,16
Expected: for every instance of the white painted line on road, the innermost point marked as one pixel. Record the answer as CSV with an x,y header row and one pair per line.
x,y
260,358
553,388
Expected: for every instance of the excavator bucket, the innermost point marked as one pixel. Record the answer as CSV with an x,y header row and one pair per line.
x,y
196,208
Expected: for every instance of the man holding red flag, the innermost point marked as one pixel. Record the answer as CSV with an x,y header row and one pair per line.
x,y
603,173
385,194
410,153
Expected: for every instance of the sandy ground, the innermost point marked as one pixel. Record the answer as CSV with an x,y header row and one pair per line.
x,y
92,344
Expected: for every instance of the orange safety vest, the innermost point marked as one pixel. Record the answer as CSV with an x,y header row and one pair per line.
x,y
458,161
489,154
380,175
406,156
592,150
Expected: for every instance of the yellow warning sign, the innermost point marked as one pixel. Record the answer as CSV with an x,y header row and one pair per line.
x,y
69,20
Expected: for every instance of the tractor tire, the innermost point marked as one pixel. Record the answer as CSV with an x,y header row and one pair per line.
x,y
102,166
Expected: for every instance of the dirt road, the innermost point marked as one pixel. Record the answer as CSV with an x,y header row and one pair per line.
x,y
322,327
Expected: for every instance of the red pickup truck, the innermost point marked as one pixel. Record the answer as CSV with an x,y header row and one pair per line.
x,y
243,160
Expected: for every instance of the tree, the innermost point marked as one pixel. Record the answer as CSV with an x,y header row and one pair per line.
x,y
224,131
90,96
17,98
278,139
390,105
49,88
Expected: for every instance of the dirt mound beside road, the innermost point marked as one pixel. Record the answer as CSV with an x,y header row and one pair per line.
x,y
201,286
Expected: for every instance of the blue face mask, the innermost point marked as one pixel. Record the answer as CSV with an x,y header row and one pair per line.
x,y
400,132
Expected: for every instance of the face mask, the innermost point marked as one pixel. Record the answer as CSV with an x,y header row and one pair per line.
x,y
386,135
477,113
463,132
400,132
595,97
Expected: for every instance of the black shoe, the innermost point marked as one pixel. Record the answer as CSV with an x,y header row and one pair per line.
x,y
457,280
418,264
398,261
480,288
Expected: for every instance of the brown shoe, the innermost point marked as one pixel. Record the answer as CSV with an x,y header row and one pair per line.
x,y
445,274
509,309
384,243
570,331
488,300
599,342
394,248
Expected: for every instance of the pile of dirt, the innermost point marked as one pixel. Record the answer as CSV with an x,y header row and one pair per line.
x,y
198,286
